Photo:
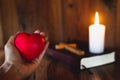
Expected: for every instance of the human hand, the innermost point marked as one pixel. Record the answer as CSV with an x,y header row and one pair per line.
x,y
12,56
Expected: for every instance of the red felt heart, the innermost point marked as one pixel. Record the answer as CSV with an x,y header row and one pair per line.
x,y
29,45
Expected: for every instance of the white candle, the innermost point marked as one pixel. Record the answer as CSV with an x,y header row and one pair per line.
x,y
96,36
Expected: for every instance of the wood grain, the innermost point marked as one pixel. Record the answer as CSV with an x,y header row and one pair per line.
x,y
117,29
61,20
55,17
10,24
75,20
51,69
1,33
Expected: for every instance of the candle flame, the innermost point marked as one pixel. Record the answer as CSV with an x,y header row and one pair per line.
x,y
96,18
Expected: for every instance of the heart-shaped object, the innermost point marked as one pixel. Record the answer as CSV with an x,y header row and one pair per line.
x,y
29,45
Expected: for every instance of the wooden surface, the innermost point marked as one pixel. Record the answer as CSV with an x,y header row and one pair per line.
x,y
54,69
62,20
51,69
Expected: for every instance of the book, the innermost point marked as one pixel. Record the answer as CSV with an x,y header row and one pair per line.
x,y
88,60
98,60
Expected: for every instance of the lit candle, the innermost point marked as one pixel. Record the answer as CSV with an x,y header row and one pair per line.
x,y
96,36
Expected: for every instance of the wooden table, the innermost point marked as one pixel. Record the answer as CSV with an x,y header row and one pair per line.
x,y
52,69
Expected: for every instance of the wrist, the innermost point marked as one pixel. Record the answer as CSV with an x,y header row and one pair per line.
x,y
4,68
9,71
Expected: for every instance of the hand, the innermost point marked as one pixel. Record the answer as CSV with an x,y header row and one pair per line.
x,y
12,56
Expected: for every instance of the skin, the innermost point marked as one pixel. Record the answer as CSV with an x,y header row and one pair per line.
x,y
14,66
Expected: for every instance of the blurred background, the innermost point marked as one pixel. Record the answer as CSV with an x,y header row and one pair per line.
x,y
61,20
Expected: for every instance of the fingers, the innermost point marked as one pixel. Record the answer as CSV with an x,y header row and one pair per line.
x,y
35,63
43,52
46,42
43,34
11,39
37,31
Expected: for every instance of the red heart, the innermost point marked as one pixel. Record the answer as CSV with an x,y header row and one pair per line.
x,y
29,45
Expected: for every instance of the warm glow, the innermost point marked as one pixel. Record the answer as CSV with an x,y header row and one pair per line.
x,y
96,18
96,36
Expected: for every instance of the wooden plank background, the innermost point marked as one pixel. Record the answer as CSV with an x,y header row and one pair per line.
x,y
62,20
1,34
10,23
117,30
